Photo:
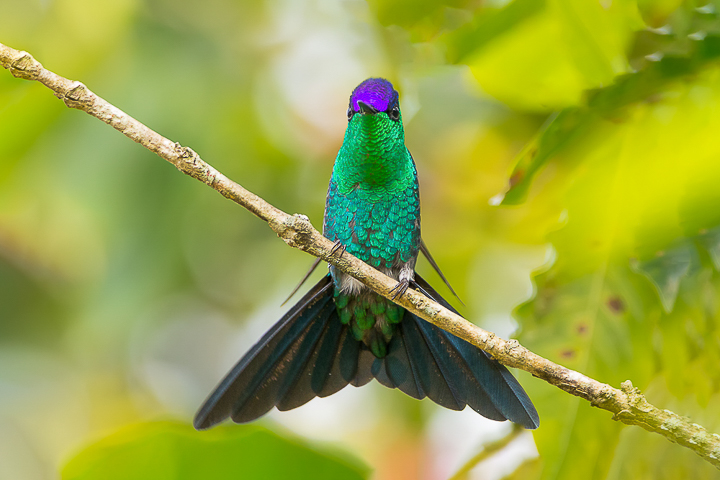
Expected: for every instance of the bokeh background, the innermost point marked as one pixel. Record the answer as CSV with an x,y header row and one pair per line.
x,y
569,162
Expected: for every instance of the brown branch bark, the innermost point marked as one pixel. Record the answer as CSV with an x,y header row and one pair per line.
x,y
627,404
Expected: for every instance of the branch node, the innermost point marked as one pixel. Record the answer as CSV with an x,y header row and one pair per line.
x,y
619,416
182,152
627,387
192,164
511,345
75,96
296,230
635,397
25,66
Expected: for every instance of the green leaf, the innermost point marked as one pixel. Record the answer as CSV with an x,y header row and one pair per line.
x,y
610,103
554,53
710,240
666,270
167,450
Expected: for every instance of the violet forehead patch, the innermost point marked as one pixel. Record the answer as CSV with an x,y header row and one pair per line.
x,y
377,92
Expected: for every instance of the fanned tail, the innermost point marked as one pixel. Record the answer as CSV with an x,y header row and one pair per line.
x,y
309,353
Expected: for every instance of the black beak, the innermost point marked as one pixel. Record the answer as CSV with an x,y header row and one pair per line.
x,y
366,108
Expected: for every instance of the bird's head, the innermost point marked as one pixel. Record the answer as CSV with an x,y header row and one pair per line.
x,y
376,98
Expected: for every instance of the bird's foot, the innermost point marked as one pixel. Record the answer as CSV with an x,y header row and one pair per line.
x,y
338,247
400,288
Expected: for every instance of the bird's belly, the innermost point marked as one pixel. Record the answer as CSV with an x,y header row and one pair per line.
x,y
383,230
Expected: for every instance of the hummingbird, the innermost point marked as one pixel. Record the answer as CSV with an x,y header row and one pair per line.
x,y
341,332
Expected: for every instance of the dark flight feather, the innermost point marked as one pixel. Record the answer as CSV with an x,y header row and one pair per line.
x,y
436,267
491,389
312,268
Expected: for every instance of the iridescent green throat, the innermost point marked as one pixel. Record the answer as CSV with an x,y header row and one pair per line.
x,y
373,157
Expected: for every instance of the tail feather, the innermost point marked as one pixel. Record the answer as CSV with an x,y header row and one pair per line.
x,y
295,371
364,369
379,372
344,363
348,357
423,363
323,372
401,371
501,386
463,384
493,391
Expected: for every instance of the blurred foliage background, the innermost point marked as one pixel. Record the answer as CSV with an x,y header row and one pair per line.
x,y
569,164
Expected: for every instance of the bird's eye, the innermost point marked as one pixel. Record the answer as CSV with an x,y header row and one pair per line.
x,y
349,113
394,114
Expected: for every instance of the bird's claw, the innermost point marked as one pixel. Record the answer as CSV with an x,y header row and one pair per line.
x,y
338,246
400,288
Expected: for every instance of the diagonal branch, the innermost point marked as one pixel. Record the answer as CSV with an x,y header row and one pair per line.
x,y
627,404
